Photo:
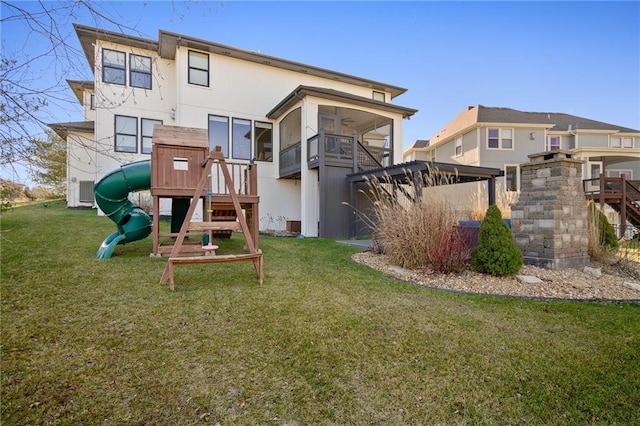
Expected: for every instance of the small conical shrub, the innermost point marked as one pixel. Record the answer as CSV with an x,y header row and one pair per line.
x,y
496,253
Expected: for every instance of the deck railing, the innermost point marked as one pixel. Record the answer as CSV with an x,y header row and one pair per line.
x,y
621,194
243,175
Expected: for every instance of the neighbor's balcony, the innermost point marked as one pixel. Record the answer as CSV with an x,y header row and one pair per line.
x,y
325,149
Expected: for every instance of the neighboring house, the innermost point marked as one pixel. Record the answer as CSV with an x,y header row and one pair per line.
x,y
306,127
503,138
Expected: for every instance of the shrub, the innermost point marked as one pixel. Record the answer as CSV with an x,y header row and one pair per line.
x,y
415,233
496,252
601,228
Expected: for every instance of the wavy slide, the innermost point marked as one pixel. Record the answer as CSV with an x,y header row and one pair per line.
x,y
112,196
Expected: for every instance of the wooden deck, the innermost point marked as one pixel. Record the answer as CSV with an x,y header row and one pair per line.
x,y
621,194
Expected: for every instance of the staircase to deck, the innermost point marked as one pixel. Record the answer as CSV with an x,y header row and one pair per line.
x,y
620,194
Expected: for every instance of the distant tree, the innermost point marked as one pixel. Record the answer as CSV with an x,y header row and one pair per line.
x,y
48,157
10,192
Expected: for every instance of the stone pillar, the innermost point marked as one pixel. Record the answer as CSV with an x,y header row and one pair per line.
x,y
549,221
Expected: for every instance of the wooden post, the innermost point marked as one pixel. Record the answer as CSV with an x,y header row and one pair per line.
x,y
623,206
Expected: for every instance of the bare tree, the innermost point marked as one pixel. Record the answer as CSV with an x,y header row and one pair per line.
x,y
32,85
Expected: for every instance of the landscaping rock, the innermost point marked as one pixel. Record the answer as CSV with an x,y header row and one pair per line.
x,y
632,286
528,279
596,272
568,283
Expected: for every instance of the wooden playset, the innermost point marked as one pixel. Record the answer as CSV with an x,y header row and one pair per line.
x,y
227,193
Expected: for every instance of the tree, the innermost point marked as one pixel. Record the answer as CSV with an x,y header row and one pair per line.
x,y
34,69
496,252
49,159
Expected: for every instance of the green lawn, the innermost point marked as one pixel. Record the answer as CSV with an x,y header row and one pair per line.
x,y
322,341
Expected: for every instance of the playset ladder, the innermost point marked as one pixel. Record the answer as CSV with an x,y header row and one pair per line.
x,y
254,254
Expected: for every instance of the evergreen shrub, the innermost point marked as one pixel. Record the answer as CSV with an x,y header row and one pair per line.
x,y
496,253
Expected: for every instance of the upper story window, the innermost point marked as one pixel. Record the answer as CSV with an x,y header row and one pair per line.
x,y
621,142
113,66
263,141
140,71
553,143
458,147
499,138
198,68
241,139
219,133
147,134
378,96
126,133
92,101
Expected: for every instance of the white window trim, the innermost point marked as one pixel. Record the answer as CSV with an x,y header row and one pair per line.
x,y
548,143
458,144
500,147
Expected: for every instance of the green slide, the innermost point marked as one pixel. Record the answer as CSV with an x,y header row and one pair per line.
x,y
112,196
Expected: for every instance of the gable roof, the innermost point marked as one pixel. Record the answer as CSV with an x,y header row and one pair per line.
x,y
79,86
557,120
420,143
168,42
336,95
474,116
63,129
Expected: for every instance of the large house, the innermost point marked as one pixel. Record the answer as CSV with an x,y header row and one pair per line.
x,y
305,127
503,138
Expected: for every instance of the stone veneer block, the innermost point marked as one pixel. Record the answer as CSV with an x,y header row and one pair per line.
x,y
550,225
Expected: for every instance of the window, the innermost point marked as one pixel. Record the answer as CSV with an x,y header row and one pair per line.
x,y
147,134
291,129
219,133
198,68
458,148
493,139
140,71
511,179
378,96
627,142
628,174
507,139
92,101
126,132
113,66
620,142
553,143
499,138
241,139
263,134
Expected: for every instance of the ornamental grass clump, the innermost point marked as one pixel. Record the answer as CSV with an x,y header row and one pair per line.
x,y
414,232
496,253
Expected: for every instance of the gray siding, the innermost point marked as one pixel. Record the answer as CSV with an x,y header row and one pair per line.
x,y
600,141
522,147
334,217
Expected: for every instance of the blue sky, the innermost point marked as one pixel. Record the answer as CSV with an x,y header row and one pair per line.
x,y
580,58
